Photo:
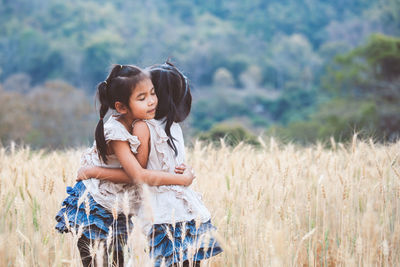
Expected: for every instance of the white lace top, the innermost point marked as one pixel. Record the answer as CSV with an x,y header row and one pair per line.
x,y
172,203
112,195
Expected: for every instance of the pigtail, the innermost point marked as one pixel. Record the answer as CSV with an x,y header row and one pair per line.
x,y
169,120
117,87
99,133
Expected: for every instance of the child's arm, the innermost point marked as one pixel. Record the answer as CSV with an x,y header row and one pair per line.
x,y
111,174
140,130
153,177
115,175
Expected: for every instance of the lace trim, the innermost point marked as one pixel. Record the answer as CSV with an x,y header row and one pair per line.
x,y
161,144
86,158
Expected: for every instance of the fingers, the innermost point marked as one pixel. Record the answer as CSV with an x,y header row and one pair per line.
x,y
181,166
81,177
180,169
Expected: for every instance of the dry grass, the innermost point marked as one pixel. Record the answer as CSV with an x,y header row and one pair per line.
x,y
281,205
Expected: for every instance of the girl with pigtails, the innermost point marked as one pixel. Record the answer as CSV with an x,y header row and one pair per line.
x,y
180,232
98,209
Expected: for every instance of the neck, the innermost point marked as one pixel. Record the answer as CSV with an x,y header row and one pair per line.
x,y
127,122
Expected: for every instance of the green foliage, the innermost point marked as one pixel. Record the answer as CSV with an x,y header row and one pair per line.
x,y
231,35
383,56
95,57
231,134
360,71
222,77
216,105
294,104
272,53
388,12
367,88
338,118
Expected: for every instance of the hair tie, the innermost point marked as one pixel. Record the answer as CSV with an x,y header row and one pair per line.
x,y
101,118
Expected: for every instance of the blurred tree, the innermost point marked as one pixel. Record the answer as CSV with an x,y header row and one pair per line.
x,y
371,70
60,115
97,57
352,32
27,51
15,120
366,86
290,58
252,77
19,82
389,15
290,41
338,118
223,78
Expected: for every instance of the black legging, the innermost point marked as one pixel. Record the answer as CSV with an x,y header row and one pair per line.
x,y
186,264
84,244
118,257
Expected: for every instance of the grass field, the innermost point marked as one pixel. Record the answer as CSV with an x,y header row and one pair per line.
x,y
280,205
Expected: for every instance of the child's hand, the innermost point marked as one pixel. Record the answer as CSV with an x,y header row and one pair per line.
x,y
84,173
189,175
180,169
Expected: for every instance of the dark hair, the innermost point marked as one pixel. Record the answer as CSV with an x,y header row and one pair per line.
x,y
118,86
174,97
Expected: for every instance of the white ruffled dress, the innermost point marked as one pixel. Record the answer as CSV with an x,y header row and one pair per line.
x,y
169,204
112,196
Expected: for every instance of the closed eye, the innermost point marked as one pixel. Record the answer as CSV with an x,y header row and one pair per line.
x,y
141,97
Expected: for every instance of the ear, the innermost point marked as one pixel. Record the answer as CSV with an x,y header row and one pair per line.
x,y
121,108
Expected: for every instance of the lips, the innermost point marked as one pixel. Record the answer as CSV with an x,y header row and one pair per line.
x,y
151,110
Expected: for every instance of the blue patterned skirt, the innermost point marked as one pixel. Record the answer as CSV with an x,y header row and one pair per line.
x,y
95,226
189,242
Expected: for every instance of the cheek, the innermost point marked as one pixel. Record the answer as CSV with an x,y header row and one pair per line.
x,y
137,107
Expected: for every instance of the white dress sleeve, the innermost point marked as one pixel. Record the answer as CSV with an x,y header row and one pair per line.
x,y
114,130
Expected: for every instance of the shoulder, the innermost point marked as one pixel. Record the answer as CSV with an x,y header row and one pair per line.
x,y
176,130
113,125
141,130
114,130
176,127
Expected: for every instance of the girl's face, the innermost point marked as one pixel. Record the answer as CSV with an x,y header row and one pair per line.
x,y
143,101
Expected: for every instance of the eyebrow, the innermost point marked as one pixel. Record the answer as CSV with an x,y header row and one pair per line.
x,y
144,93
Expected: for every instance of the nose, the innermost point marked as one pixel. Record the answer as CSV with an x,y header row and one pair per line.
x,y
152,100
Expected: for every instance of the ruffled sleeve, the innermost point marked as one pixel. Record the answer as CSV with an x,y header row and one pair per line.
x,y
114,130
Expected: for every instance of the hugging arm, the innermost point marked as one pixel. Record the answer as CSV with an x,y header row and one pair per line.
x,y
133,167
139,175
